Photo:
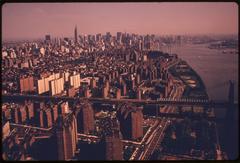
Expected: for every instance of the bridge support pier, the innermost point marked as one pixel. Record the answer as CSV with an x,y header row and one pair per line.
x,y
231,129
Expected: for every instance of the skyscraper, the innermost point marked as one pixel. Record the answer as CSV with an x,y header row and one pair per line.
x,y
119,37
75,35
47,39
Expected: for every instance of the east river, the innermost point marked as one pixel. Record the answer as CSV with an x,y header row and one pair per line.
x,y
215,69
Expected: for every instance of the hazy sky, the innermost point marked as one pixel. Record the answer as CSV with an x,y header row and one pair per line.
x,y
35,20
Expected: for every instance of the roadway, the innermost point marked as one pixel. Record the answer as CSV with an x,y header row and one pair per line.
x,y
160,131
155,135
161,101
154,140
93,138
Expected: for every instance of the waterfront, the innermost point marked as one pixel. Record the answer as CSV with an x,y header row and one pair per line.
x,y
215,69
213,66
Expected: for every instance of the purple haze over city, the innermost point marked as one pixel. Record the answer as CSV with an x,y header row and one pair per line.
x,y
35,20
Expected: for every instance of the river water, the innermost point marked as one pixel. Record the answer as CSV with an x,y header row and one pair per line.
x,y
216,69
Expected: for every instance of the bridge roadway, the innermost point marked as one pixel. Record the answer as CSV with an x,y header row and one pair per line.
x,y
46,132
154,136
190,116
96,138
37,131
15,125
160,101
155,140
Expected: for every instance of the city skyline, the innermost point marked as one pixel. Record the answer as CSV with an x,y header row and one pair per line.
x,y
93,18
120,81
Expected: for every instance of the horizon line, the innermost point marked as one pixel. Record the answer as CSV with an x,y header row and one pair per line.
x,y
54,36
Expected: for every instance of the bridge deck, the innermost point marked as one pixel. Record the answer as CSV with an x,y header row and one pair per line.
x,y
160,101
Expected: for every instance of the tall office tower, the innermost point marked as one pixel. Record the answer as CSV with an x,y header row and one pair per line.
x,y
47,39
85,117
119,37
131,120
113,147
75,35
140,47
98,37
108,36
66,136
58,41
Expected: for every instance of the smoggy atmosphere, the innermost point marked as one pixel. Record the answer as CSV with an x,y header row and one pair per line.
x,y
34,20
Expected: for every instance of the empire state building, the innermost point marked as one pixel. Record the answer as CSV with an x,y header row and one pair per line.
x,y
75,35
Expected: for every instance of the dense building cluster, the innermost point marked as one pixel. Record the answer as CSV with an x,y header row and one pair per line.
x,y
105,67
102,66
86,66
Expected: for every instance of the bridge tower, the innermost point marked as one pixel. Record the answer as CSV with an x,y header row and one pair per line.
x,y
230,110
230,122
85,117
